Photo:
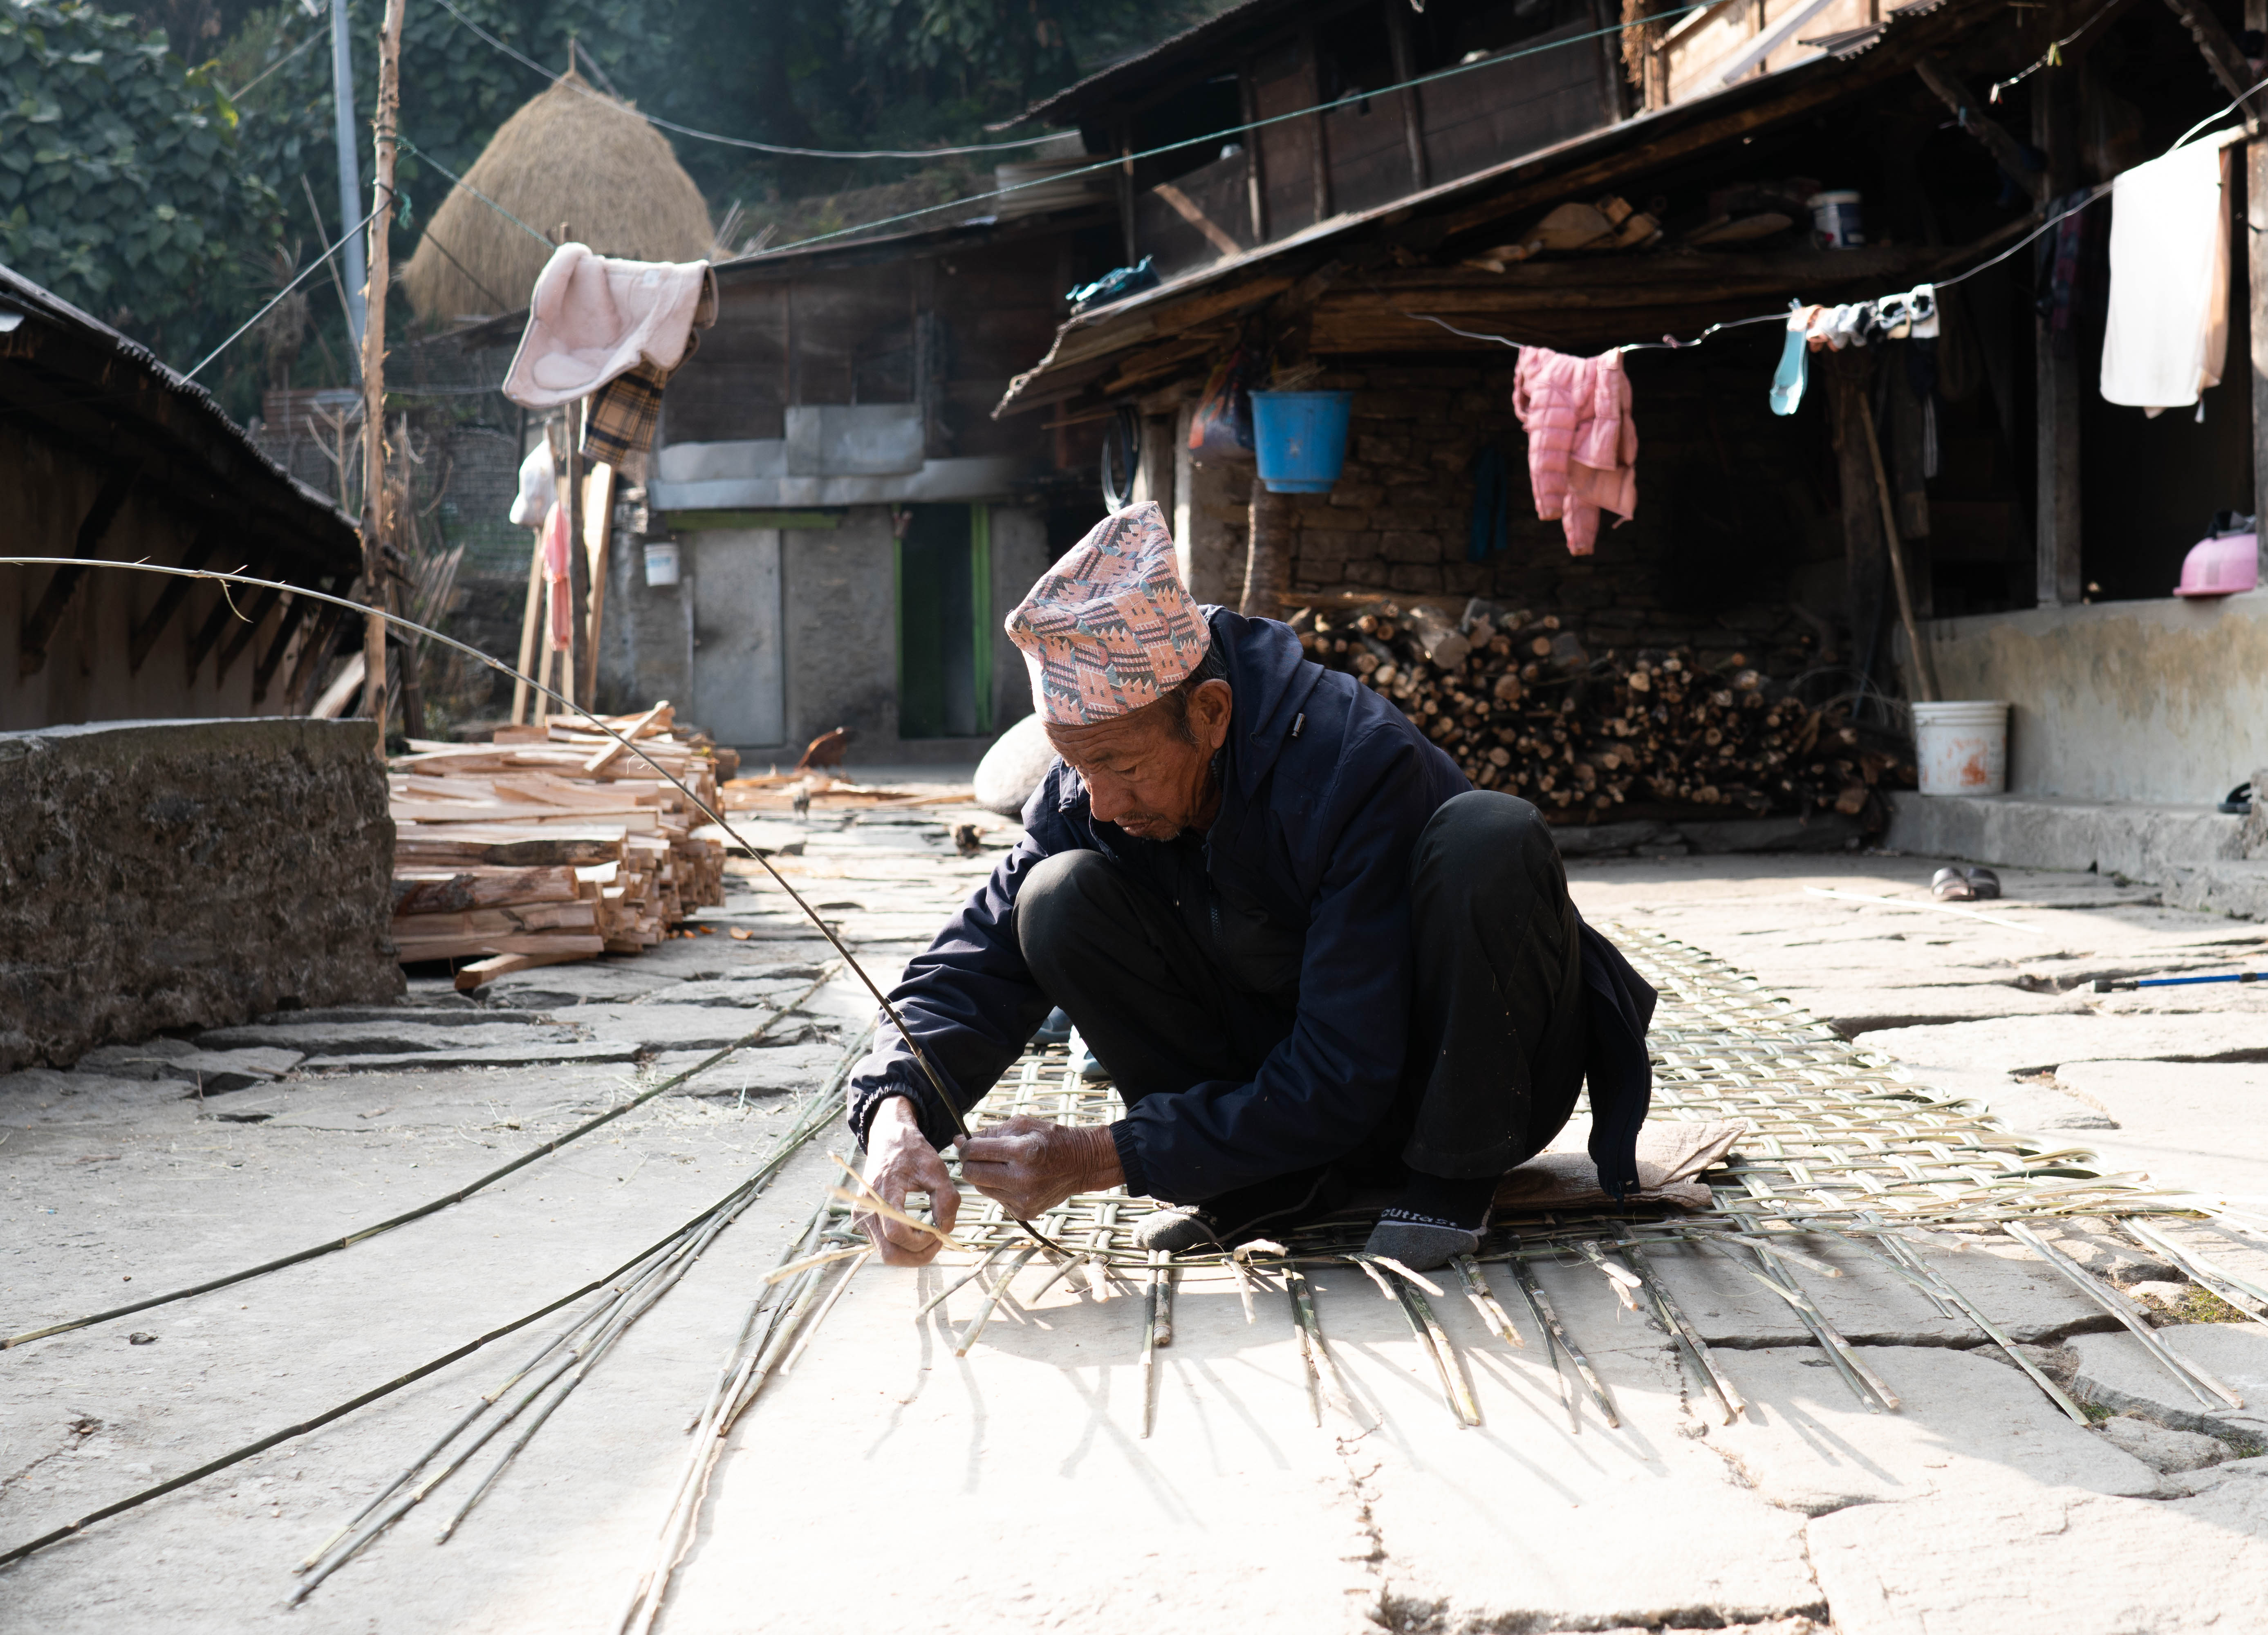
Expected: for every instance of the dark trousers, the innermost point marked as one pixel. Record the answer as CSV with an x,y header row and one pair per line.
x,y
1496,1035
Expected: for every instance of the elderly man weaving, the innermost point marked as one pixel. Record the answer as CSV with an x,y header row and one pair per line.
x,y
1314,960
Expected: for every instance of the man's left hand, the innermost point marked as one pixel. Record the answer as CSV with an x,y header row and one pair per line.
x,y
1028,1166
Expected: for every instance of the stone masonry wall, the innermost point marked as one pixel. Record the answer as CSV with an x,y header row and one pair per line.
x,y
162,874
1737,545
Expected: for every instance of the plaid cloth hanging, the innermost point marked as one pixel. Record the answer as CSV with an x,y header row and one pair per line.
x,y
623,416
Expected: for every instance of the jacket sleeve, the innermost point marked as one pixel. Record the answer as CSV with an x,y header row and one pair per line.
x,y
1334,1076
970,1000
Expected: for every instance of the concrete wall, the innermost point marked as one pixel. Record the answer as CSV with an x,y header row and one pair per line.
x,y
187,873
2145,701
838,635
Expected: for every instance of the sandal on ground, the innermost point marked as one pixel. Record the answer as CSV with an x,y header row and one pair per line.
x,y
1950,884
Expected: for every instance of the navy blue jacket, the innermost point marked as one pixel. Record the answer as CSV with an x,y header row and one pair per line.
x,y
1319,830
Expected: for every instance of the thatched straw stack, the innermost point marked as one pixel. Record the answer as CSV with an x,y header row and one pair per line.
x,y
571,156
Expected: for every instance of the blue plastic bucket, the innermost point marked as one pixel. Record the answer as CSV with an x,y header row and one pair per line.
x,y
1300,439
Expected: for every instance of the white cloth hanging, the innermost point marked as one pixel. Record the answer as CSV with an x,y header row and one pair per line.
x,y
539,487
2168,329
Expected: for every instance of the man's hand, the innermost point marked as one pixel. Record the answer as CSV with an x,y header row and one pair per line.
x,y
1028,1166
900,1161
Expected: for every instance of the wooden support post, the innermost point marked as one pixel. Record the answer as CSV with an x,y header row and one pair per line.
x,y
1255,175
1413,110
2255,266
40,625
2055,514
1267,555
1864,566
1125,177
1614,88
531,626
570,495
1924,670
169,601
1318,156
598,533
374,519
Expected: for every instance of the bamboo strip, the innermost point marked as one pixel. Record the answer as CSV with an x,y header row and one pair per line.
x,y
1928,1279
333,1246
1875,1397
803,1340
974,1326
1150,1344
1484,1302
1548,1319
1688,1338
1303,1306
2118,1305
2246,1296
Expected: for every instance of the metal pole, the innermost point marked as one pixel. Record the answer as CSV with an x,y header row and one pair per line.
x,y
343,97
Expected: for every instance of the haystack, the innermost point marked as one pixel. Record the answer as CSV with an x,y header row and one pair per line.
x,y
571,156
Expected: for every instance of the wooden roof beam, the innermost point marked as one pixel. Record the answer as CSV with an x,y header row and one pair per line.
x,y
170,597
2222,54
40,625
2006,151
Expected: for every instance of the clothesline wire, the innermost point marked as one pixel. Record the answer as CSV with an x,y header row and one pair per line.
x,y
1671,343
1114,161
542,237
739,141
2053,54
238,95
299,278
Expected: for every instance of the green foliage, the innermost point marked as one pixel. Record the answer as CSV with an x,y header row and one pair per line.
x,y
119,187
131,183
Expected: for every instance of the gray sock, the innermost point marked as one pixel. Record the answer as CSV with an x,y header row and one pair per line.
x,y
1420,1244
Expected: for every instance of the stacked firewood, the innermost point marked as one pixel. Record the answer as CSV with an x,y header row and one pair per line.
x,y
1521,706
552,843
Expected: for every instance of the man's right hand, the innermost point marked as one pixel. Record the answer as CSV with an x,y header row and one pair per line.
x,y
900,1161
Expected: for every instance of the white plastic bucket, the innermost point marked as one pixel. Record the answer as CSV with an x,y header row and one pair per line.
x,y
1961,747
1836,222
661,564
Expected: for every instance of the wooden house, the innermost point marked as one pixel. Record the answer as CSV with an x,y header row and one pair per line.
x,y
104,453
850,521
1405,241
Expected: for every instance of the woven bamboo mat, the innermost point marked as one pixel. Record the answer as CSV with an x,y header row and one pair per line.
x,y
1836,1137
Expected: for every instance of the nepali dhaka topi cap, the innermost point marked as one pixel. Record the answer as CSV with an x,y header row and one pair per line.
x,y
1110,628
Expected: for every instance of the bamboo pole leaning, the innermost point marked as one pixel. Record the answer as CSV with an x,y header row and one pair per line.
x,y
433,1206
568,1359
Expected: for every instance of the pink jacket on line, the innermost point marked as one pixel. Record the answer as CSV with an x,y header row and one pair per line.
x,y
1582,441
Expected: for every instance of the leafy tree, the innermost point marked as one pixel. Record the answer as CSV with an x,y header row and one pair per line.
x,y
119,187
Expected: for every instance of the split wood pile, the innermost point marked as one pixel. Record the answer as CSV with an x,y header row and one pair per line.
x,y
1523,706
553,843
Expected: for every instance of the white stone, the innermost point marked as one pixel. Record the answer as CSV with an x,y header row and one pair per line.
x,y
2117,1371
2015,1559
1807,1444
1013,767
2160,1449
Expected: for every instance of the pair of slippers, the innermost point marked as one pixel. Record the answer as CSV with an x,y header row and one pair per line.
x,y
1972,885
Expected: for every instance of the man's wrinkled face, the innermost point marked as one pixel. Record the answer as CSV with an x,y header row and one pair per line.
x,y
1143,772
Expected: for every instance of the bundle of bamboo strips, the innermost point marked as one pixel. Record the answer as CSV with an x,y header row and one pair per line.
x,y
550,843
1523,706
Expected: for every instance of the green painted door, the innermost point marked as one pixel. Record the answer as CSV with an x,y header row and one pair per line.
x,y
945,622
